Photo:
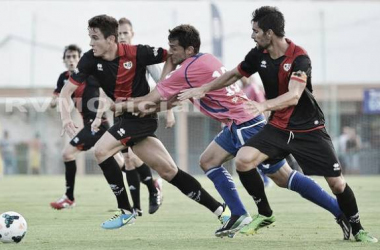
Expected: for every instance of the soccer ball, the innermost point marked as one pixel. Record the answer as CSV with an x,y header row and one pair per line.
x,y
12,227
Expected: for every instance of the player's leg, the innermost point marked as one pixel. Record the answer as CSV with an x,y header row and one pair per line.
x,y
133,180
105,149
211,162
155,194
160,160
316,155
67,201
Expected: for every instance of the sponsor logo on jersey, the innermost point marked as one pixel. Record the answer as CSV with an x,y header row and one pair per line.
x,y
336,167
287,66
128,65
76,140
100,67
263,64
76,70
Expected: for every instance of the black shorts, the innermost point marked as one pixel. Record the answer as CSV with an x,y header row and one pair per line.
x,y
85,139
130,130
313,150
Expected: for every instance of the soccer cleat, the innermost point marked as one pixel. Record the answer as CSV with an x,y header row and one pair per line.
x,y
226,214
62,203
345,225
155,201
258,221
364,236
233,225
120,219
138,211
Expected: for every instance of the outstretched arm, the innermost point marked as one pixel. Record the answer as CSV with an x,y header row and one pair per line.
x,y
296,87
227,79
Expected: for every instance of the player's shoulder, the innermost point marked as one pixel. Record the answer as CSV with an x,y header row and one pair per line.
x,y
64,75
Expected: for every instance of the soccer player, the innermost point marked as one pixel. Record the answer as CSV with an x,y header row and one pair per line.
x,y
86,101
135,168
296,125
120,69
226,106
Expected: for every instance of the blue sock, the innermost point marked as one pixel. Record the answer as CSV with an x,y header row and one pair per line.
x,y
311,191
226,187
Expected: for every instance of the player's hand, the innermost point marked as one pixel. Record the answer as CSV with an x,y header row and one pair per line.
x,y
253,107
53,102
195,93
95,125
170,119
69,127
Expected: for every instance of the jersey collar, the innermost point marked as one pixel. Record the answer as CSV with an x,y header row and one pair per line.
x,y
289,51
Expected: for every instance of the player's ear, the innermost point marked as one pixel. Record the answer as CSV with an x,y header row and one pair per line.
x,y
190,51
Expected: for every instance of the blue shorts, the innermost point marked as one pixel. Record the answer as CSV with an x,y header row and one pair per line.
x,y
233,139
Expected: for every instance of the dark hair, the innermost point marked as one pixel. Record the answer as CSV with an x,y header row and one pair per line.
x,y
106,24
72,47
187,36
268,17
124,20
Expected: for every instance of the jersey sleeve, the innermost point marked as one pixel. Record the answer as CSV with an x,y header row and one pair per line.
x,y
302,63
172,85
147,55
60,83
84,69
249,66
155,72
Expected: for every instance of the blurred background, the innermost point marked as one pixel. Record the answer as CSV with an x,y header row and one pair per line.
x,y
341,38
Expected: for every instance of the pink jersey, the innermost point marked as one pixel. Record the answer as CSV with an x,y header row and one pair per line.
x,y
225,105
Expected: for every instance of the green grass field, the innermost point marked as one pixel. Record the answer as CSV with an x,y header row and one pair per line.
x,y
180,223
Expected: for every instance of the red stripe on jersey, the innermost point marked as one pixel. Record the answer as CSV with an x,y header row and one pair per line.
x,y
124,141
299,131
74,82
242,72
126,72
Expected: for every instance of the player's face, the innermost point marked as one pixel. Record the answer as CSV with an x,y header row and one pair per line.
x,y
71,59
99,44
125,33
261,38
178,53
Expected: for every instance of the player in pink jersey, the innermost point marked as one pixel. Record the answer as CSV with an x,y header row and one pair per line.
x,y
224,105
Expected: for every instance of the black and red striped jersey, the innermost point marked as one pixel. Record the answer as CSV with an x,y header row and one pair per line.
x,y
123,77
85,96
275,75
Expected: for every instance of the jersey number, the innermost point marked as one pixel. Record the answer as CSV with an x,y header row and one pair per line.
x,y
232,89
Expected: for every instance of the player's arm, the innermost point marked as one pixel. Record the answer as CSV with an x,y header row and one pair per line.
x,y
65,105
227,79
296,87
102,103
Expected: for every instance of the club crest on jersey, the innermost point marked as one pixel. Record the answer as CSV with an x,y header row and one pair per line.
x,y
76,70
155,51
263,64
100,67
287,66
128,65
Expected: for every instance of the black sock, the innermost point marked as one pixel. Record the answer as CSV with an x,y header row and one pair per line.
x,y
147,178
114,177
190,187
133,180
349,207
254,185
70,171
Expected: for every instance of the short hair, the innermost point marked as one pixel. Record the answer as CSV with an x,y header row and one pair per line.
x,y
124,20
187,36
106,24
268,17
72,47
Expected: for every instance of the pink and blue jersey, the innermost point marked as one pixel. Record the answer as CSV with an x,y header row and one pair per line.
x,y
225,105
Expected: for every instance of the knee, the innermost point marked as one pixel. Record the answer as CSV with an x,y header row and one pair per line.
x,y
167,173
100,153
245,163
337,185
205,163
68,156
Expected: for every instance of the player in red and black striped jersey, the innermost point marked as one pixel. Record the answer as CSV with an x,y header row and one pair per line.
x,y
296,125
120,69
86,101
